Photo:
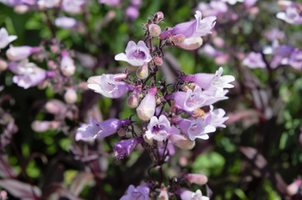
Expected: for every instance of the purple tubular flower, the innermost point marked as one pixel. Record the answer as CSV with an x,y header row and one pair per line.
x,y
214,8
160,129
197,128
254,60
28,74
97,129
216,117
292,14
196,28
295,59
136,55
108,85
124,147
5,39
188,195
139,193
19,53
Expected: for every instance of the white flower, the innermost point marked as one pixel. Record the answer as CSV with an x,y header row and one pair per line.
x,y
5,39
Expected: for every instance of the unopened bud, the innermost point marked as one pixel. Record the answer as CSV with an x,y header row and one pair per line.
x,y
21,9
158,61
70,96
3,65
221,59
142,71
158,101
55,106
190,43
54,48
163,195
133,99
67,64
149,141
42,126
219,42
181,141
198,113
146,109
198,179
293,188
154,30
3,195
159,16
121,132
178,38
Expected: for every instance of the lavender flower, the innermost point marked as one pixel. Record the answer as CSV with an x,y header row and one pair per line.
x,y
197,128
48,3
5,39
292,14
108,85
214,8
99,129
139,193
160,129
29,74
254,60
295,59
124,147
72,6
197,28
216,117
132,12
19,53
136,55
188,195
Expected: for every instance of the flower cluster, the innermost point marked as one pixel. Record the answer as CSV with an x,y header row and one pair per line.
x,y
184,121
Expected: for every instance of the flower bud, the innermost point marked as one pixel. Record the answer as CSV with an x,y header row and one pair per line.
x,y
21,9
149,141
154,30
198,179
160,15
158,61
178,38
146,109
42,126
142,71
55,106
181,141
219,42
67,64
293,188
190,43
163,195
133,99
3,65
3,195
221,59
121,132
70,96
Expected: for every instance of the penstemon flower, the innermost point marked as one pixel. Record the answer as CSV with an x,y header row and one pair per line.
x,y
124,147
188,195
19,53
139,193
108,85
5,39
254,60
159,128
136,55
